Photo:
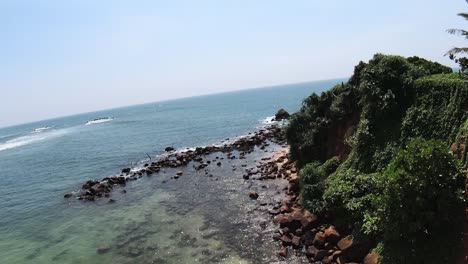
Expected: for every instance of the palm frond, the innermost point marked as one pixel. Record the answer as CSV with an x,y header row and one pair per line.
x,y
464,15
454,51
455,31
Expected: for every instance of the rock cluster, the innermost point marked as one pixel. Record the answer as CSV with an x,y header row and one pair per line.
x,y
93,189
303,231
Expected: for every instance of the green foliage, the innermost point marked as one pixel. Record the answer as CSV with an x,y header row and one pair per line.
x,y
440,108
422,204
428,66
365,124
312,180
350,195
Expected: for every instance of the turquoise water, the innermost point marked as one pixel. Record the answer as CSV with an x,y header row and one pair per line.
x,y
153,222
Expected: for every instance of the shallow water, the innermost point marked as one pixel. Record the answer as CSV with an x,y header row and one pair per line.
x,y
195,219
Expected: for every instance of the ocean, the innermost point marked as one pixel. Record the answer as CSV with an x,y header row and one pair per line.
x,y
190,221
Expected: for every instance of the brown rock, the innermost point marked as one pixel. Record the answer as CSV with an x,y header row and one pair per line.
x,y
321,254
345,243
286,240
296,242
319,240
281,219
371,258
332,235
311,251
283,252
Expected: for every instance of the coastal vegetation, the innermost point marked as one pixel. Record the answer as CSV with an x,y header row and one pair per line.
x,y
383,157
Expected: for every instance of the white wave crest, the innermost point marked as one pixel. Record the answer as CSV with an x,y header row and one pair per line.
x,y
25,140
269,120
99,120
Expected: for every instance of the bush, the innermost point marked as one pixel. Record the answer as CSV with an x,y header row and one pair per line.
x,y
421,207
312,180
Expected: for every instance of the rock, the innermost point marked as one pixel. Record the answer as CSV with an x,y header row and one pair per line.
x,y
371,258
103,249
126,170
345,243
179,173
321,254
296,242
285,240
111,201
68,195
253,195
332,235
311,251
283,252
274,212
219,163
168,149
319,240
281,114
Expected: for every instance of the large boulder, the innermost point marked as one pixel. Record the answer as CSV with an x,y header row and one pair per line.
x,y
281,114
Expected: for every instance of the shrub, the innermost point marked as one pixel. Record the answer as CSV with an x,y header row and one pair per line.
x,y
421,208
312,180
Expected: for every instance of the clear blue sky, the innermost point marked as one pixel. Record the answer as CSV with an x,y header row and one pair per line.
x,y
65,57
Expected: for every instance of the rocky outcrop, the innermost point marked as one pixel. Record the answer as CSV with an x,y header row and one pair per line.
x,y
281,114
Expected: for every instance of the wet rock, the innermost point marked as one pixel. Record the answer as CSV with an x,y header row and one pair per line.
x,y
253,195
179,173
68,195
126,170
168,149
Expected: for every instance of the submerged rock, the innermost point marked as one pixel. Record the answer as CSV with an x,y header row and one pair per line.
x,y
103,249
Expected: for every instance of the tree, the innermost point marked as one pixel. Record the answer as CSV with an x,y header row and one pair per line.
x,y
459,50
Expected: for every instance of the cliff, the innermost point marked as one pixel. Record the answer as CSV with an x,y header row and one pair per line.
x,y
389,130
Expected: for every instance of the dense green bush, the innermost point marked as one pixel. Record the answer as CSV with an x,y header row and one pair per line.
x,y
440,108
421,207
312,180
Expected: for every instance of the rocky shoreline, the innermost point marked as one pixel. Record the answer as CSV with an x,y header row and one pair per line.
x,y
92,190
300,233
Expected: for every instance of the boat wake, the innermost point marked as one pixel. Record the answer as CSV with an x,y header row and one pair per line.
x,y
40,129
28,139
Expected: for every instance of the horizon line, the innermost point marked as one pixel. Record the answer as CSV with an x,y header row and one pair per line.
x,y
168,100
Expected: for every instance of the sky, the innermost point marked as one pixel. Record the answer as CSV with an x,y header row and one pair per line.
x,y
59,58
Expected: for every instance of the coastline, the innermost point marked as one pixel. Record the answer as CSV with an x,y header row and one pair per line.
x,y
274,212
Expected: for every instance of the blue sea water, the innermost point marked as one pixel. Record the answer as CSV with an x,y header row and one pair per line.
x,y
43,160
